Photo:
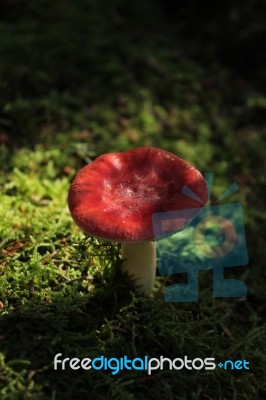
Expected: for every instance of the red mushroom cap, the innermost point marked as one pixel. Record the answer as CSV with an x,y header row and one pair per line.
x,y
115,196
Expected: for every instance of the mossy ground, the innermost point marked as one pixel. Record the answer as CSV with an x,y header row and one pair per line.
x,y
82,79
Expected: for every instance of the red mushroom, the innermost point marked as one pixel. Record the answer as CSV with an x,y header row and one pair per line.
x,y
115,196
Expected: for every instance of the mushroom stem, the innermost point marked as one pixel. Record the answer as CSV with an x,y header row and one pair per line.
x,y
139,261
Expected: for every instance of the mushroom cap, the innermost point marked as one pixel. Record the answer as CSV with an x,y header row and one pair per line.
x,y
115,196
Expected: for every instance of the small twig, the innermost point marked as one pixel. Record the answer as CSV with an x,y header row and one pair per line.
x,y
65,261
31,375
227,333
31,289
48,257
117,328
121,319
4,241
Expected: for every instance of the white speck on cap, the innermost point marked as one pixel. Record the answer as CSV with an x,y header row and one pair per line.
x,y
116,162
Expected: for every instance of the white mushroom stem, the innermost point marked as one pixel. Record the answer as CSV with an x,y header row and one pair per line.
x,y
139,262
